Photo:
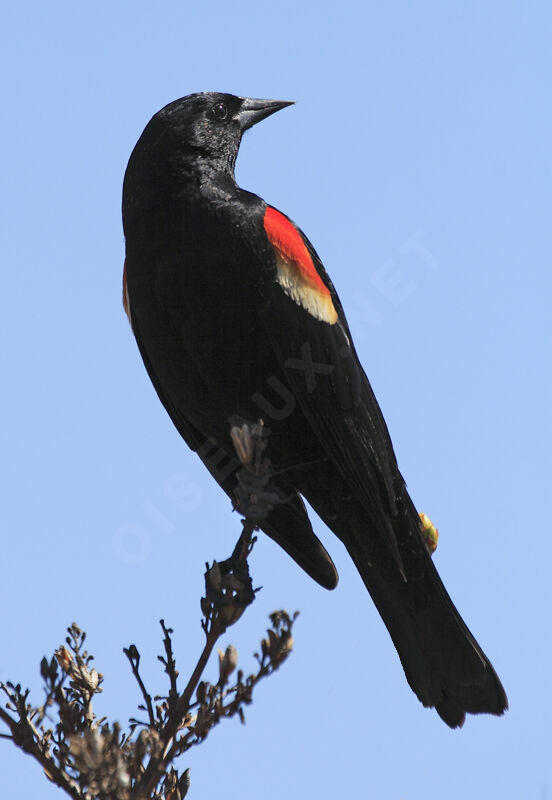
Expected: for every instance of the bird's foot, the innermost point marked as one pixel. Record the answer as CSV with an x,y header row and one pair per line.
x,y
255,495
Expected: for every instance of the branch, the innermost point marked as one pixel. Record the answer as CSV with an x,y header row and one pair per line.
x,y
91,758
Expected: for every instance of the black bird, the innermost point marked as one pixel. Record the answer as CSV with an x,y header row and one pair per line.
x,y
236,319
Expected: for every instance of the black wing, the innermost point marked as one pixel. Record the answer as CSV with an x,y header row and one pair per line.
x,y
362,497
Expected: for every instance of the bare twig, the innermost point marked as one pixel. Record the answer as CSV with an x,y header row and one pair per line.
x,y
92,759
169,663
134,659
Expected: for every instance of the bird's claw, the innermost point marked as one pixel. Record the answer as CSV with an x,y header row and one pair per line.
x,y
255,496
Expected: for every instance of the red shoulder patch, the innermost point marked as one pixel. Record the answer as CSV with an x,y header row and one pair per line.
x,y
296,270
285,237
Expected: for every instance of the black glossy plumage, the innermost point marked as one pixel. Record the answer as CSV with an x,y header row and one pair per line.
x,y
223,342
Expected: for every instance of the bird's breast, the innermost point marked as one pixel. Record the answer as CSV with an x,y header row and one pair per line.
x,y
194,284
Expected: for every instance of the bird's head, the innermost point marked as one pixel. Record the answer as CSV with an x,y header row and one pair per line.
x,y
202,131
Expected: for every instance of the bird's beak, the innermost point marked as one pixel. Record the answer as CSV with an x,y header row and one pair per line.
x,y
253,111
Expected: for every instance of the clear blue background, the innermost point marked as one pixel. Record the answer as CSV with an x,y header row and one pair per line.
x,y
417,159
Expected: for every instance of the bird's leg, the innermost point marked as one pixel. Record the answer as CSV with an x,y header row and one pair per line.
x,y
255,496
228,586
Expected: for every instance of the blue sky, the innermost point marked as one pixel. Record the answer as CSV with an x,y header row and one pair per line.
x,y
417,160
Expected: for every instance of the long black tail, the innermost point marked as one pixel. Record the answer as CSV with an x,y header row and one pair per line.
x,y
442,661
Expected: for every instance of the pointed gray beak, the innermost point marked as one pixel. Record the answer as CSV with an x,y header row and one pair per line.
x,y
253,111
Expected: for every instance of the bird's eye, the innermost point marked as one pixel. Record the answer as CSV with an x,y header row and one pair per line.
x,y
220,111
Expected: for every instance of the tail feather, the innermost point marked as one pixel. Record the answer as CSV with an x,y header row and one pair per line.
x,y
442,661
289,526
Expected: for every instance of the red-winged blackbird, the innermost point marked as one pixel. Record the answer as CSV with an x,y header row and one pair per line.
x,y
237,320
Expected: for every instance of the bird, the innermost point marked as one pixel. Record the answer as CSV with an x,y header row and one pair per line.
x,y
237,320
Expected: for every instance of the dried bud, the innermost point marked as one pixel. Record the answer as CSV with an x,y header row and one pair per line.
x,y
201,692
228,661
92,679
214,577
89,679
287,643
133,654
273,642
205,607
230,613
231,584
49,669
65,660
100,761
184,783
